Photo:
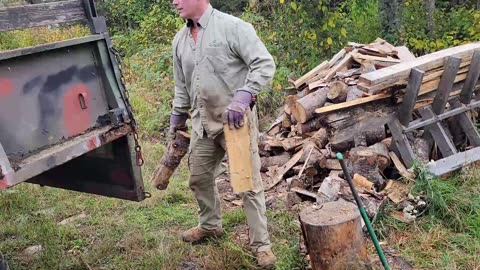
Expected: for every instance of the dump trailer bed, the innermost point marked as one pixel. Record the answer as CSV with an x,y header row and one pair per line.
x,y
65,118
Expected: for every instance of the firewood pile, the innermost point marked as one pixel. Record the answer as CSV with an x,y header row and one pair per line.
x,y
344,105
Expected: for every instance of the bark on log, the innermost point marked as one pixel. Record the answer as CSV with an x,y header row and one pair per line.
x,y
338,92
176,150
364,161
331,164
304,108
287,122
309,170
383,158
289,103
316,157
354,93
310,126
279,160
320,138
344,140
333,236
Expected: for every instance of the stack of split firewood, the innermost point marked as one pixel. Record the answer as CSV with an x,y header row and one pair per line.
x,y
343,105
302,142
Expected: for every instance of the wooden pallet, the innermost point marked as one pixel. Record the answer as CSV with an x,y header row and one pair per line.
x,y
432,117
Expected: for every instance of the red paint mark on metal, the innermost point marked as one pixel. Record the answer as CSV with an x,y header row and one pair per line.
x,y
76,118
6,87
92,143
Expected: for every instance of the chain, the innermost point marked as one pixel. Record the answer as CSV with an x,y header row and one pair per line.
x,y
125,97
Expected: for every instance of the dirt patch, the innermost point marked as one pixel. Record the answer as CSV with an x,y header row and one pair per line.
x,y
190,263
229,199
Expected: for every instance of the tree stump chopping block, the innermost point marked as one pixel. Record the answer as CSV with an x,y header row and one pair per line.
x,y
333,236
176,150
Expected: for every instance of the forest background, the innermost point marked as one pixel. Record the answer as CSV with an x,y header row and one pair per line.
x,y
299,34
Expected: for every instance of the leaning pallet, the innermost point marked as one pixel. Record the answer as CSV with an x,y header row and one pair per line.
x,y
433,118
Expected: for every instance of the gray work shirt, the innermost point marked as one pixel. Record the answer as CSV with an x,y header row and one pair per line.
x,y
228,56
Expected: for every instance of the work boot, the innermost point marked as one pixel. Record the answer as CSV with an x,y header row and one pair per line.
x,y
197,234
266,259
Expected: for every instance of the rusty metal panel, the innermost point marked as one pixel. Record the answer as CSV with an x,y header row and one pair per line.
x,y
50,96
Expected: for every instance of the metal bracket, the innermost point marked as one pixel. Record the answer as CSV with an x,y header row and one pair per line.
x,y
114,117
97,24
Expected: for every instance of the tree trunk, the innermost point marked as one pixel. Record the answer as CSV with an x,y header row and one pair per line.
x,y
333,236
430,9
390,15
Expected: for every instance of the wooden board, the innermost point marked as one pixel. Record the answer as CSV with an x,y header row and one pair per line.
x,y
280,172
337,57
400,167
426,62
401,142
28,16
376,58
405,54
472,78
239,157
430,76
438,132
411,94
454,162
311,74
467,126
342,64
352,103
445,86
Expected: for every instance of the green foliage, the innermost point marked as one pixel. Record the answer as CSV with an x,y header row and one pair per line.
x,y
230,6
41,35
124,15
361,20
141,24
149,78
453,26
309,31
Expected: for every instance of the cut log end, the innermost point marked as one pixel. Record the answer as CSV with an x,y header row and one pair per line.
x,y
304,108
338,92
333,235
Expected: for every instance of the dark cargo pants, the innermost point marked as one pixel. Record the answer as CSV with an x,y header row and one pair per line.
x,y
204,158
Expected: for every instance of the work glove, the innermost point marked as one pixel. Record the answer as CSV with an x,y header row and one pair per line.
x,y
177,122
236,109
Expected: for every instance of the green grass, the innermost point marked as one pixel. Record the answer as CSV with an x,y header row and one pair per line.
x,y
127,235
448,236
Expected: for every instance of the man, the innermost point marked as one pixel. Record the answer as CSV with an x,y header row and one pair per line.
x,y
220,65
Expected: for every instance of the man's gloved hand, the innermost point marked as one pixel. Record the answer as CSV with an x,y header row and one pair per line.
x,y
237,108
177,122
